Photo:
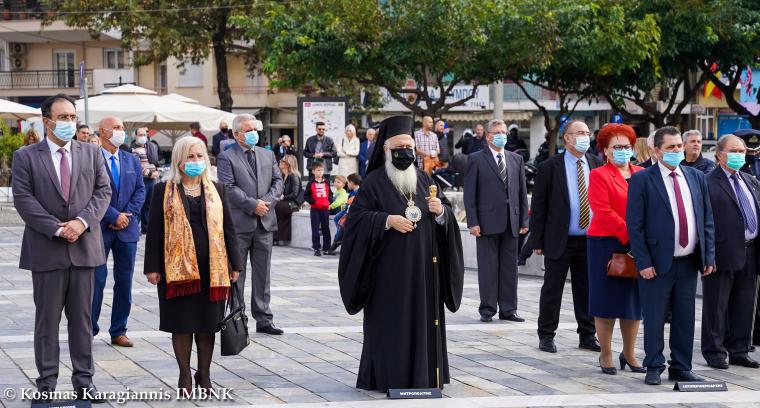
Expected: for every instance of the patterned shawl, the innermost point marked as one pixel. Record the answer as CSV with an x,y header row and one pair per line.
x,y
180,261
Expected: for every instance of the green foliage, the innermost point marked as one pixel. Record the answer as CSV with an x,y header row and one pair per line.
x,y
9,142
437,43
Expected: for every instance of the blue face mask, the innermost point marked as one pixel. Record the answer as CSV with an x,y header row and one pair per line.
x,y
252,138
582,143
194,169
672,159
622,156
65,130
500,140
735,161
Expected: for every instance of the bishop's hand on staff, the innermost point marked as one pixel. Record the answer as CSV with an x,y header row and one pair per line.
x,y
401,262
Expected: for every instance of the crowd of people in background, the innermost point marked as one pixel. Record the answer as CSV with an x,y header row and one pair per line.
x,y
654,199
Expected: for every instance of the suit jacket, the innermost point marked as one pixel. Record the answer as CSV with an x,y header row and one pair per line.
x,y
39,201
128,198
608,197
550,206
485,196
151,149
729,230
365,153
328,150
651,225
280,152
245,188
154,241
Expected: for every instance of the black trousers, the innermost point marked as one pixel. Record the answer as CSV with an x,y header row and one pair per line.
x,y
726,319
574,258
497,273
320,220
756,331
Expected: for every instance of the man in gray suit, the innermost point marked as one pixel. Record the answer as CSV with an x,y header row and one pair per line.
x,y
61,190
496,202
254,184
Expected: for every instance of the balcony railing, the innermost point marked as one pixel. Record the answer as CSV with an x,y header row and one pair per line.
x,y
68,78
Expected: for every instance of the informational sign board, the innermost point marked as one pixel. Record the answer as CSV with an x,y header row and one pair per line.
x,y
332,111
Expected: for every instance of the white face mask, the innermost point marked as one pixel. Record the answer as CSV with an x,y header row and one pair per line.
x,y
117,137
142,140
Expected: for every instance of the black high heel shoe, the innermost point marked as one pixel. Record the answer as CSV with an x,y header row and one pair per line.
x,y
607,370
200,382
624,362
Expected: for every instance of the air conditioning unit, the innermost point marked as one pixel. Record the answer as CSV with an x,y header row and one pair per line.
x,y
17,49
18,63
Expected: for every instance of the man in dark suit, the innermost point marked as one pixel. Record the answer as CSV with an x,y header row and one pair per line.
x,y
672,236
751,138
365,151
560,215
254,185
216,140
121,229
726,319
284,148
496,201
61,191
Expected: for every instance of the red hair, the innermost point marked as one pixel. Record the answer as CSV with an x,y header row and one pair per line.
x,y
610,130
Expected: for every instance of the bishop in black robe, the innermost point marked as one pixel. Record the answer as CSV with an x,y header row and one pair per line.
x,y
391,276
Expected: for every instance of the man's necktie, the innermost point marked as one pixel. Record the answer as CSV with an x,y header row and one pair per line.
x,y
583,198
115,172
683,226
502,168
750,221
65,174
251,160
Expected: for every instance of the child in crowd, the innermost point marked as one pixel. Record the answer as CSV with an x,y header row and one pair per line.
x,y
354,183
341,196
319,196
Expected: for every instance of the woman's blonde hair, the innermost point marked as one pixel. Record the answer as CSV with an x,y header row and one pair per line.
x,y
352,129
179,155
31,133
290,160
642,149
342,179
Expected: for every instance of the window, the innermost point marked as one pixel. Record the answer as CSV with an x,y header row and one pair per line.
x,y
190,75
2,58
114,58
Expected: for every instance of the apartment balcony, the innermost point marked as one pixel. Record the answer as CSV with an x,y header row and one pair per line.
x,y
64,80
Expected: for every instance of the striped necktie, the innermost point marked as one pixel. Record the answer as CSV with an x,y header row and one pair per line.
x,y
502,168
583,198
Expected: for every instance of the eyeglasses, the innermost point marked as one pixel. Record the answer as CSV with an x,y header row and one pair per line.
x,y
581,133
621,147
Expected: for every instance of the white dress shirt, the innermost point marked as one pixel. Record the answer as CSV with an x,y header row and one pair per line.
x,y
494,153
747,235
691,220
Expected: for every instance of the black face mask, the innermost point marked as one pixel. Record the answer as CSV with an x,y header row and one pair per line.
x,y
402,158
223,130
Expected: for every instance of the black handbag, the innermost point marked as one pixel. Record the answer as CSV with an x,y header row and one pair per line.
x,y
233,328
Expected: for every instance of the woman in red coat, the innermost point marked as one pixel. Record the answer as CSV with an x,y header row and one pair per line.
x,y
612,298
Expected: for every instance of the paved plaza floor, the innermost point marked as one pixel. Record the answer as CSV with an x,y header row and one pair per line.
x,y
315,363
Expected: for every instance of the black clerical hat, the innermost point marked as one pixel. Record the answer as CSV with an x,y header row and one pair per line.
x,y
751,137
393,126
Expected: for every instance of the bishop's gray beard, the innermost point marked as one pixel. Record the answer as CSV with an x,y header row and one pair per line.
x,y
405,181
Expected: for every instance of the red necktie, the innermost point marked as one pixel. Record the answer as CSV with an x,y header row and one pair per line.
x,y
65,174
683,226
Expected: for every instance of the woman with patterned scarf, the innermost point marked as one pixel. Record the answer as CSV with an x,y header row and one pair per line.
x,y
192,255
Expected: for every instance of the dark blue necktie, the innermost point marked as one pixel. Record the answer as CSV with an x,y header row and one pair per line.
x,y
115,172
750,221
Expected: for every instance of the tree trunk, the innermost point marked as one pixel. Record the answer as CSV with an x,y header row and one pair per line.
x,y
220,59
754,121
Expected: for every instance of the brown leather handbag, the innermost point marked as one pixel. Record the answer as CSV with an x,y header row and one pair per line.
x,y
622,266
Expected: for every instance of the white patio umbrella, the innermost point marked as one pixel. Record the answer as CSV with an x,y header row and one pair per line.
x,y
12,110
181,98
137,107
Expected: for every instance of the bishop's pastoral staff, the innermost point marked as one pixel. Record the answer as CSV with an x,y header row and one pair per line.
x,y
401,262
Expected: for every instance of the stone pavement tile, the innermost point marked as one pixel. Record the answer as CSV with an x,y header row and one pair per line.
x,y
345,396
294,394
461,390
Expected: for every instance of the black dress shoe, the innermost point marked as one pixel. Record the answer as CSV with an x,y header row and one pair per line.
x,y
547,345
317,252
624,362
590,344
513,317
269,329
752,348
744,361
90,394
683,376
718,363
521,262
486,319
653,377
